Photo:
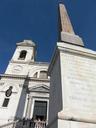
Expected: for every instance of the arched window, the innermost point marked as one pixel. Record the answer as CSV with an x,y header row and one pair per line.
x,y
22,55
35,75
43,75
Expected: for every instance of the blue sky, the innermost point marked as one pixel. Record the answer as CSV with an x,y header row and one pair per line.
x,y
37,20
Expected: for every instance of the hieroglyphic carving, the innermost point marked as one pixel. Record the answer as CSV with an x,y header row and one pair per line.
x,y
66,25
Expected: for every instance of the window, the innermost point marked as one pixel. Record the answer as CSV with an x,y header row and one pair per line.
x,y
23,55
5,103
43,75
40,110
35,75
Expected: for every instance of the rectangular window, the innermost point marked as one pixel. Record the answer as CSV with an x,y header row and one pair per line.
x,y
40,110
5,103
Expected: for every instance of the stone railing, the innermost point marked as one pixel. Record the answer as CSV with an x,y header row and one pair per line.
x,y
34,124
15,124
25,124
38,124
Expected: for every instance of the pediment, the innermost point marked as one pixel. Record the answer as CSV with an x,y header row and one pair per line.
x,y
39,88
26,43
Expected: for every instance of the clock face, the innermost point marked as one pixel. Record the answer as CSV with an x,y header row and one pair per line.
x,y
17,68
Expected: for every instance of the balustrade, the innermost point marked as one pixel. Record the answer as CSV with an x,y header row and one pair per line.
x,y
25,124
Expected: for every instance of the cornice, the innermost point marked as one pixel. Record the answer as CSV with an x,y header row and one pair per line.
x,y
28,43
39,63
30,62
71,49
8,76
76,49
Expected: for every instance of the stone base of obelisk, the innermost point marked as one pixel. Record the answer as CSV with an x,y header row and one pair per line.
x,y
71,39
74,124
72,87
71,124
61,121
64,121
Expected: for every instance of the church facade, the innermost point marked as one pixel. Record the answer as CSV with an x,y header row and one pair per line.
x,y
24,87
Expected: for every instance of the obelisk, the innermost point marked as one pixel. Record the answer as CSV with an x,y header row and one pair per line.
x,y
67,33
72,72
66,25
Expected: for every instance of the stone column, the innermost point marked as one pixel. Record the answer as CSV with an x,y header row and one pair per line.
x,y
29,105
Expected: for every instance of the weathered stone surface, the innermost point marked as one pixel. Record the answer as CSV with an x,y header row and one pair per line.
x,y
73,87
71,39
66,30
74,124
79,86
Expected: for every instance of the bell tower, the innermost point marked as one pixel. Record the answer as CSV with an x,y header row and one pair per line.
x,y
24,52
23,55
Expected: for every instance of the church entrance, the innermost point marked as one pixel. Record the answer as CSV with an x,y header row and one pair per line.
x,y
40,110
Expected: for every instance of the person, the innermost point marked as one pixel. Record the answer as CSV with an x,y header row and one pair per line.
x,y
38,123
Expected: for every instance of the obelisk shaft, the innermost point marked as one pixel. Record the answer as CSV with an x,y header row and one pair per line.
x,y
66,32
66,25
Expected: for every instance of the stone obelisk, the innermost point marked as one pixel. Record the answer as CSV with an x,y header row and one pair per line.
x,y
65,22
72,74
67,33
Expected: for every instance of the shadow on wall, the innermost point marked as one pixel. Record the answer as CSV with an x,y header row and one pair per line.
x,y
56,96
22,100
